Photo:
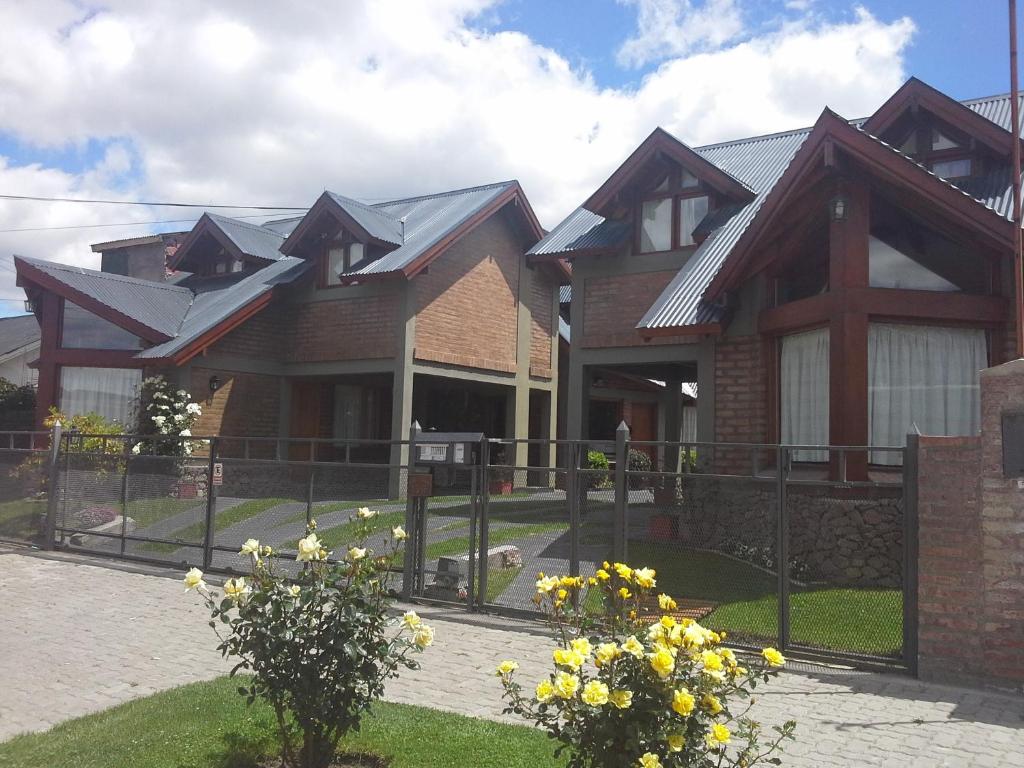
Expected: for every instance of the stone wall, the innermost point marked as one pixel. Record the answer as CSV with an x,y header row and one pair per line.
x,y
850,537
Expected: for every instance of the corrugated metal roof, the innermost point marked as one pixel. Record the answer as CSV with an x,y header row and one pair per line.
x,y
428,219
215,301
251,239
158,306
18,332
282,226
582,230
379,223
564,294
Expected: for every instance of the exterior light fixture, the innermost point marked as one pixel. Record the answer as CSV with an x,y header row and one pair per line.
x,y
30,306
214,384
839,208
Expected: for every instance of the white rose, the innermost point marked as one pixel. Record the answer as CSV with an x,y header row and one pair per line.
x,y
194,579
251,547
186,433
309,548
365,513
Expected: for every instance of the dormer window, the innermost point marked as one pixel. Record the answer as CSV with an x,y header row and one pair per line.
x,y
692,211
941,141
228,265
340,259
671,211
952,169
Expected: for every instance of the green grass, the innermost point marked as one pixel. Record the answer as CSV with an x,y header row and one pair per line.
x,y
346,532
460,544
498,580
195,532
21,519
855,620
146,512
208,725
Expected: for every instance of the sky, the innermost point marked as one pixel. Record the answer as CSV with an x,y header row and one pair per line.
x,y
257,102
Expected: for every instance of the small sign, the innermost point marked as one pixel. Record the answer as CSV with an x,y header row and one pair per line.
x,y
433,452
218,474
421,485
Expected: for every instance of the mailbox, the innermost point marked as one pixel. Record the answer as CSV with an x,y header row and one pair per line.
x,y
1013,444
439,448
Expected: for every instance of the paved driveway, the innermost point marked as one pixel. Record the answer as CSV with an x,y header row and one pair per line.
x,y
76,637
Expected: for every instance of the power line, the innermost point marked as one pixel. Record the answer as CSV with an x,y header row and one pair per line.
x,y
125,224
93,201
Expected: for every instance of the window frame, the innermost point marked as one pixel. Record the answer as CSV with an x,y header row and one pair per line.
x,y
346,261
675,193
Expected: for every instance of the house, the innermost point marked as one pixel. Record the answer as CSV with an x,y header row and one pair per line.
x,y
840,284
19,347
348,322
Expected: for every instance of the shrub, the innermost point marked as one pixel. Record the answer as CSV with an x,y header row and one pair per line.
x,y
319,649
91,517
601,478
166,413
640,463
652,692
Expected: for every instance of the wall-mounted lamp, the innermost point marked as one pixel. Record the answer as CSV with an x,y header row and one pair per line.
x,y
214,384
839,208
30,306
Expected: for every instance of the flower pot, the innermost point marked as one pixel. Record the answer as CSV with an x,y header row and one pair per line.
x,y
662,527
499,487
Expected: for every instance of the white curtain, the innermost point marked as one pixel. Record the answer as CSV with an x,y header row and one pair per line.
x,y
922,379
803,391
111,392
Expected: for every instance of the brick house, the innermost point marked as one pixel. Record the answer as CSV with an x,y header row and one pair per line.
x,y
841,284
350,321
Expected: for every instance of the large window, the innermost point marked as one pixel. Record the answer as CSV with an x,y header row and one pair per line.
x,y
113,393
673,209
922,379
803,389
340,259
81,329
889,268
656,225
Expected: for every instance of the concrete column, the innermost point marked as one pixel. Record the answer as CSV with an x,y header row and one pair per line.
x,y
519,427
401,391
705,396
673,423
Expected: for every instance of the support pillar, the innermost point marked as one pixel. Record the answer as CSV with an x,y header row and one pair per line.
x,y
705,397
673,423
519,427
401,394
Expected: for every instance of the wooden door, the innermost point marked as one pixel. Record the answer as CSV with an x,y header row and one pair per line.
x,y
305,417
645,426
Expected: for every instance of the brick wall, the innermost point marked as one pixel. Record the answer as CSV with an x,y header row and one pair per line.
x,y
358,328
467,300
741,393
265,335
541,303
245,405
613,305
971,562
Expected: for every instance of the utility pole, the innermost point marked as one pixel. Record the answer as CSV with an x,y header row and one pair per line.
x,y
1018,261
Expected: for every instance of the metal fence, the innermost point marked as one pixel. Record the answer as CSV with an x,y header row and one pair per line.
x,y
794,546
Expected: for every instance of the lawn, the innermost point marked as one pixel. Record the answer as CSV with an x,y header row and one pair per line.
x,y
498,580
195,532
854,620
208,725
21,519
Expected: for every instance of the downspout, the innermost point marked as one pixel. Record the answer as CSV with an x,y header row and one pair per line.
x,y
1018,261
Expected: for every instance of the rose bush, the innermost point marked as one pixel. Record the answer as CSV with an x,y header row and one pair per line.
x,y
169,414
319,647
642,691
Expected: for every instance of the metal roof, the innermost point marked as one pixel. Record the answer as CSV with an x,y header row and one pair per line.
x,y
564,294
216,300
582,230
282,226
18,332
378,223
429,219
251,239
158,306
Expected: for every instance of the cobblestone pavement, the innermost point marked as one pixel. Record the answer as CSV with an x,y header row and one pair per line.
x,y
77,637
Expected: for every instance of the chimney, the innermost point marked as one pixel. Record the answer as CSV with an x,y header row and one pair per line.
x,y
143,257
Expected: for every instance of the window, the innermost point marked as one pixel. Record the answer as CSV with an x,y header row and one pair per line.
x,y
803,392
952,169
692,211
81,329
889,268
113,393
656,225
340,259
688,180
922,379
941,141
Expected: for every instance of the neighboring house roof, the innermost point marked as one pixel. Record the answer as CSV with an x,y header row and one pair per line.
x,y
758,162
241,238
17,333
564,294
282,226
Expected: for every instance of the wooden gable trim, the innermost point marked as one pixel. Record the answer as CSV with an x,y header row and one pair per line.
x,y
660,141
45,282
207,226
887,163
917,93
326,204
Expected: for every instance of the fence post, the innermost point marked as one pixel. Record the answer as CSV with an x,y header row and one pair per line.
x,y
910,553
412,542
53,483
782,547
309,495
485,505
475,482
573,488
211,505
124,500
620,525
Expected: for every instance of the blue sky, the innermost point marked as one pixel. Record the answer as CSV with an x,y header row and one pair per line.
x,y
258,103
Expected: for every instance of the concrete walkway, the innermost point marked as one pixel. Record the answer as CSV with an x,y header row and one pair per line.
x,y
78,635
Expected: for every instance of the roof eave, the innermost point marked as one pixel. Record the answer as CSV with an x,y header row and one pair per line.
x,y
702,329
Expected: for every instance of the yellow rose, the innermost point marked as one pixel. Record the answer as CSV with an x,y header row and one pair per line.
x,y
562,594
194,579
624,593
602,574
582,646
506,668
294,590
644,577
695,635
662,663
545,691
309,549
683,702
676,742
251,547
606,653
718,736
356,553
365,513
710,704
666,603
399,533
411,620
568,657
566,685
235,589
649,760
624,571
711,661
773,657
728,655
667,622
423,637
595,693
545,585
633,647
621,699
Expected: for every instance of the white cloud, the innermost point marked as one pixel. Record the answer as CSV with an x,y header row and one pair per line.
x,y
272,103
667,28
